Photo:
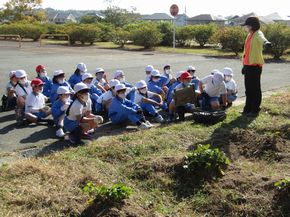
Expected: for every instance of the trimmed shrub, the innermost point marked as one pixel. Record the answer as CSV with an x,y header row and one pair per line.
x,y
29,31
183,34
106,32
166,29
203,33
231,38
121,37
147,35
83,33
279,36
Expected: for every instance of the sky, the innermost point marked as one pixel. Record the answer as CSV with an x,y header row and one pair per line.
x,y
193,7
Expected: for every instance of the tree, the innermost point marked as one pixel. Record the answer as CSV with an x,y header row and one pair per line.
x,y
203,33
121,37
119,17
146,34
17,10
90,19
279,35
231,38
184,33
166,29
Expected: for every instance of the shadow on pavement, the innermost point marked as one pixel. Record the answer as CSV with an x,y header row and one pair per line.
x,y
5,116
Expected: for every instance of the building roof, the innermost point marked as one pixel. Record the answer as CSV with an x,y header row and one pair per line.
x,y
63,16
157,16
276,17
242,19
207,17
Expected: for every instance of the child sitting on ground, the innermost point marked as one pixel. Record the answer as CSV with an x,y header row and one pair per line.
x,y
145,99
231,86
195,79
120,76
35,109
105,100
79,120
77,76
59,108
122,110
148,70
22,90
58,80
47,83
95,92
100,81
9,98
185,79
212,87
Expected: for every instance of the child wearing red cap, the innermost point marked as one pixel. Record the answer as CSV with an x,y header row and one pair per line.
x,y
47,82
186,81
35,109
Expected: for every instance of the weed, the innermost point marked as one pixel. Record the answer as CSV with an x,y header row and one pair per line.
x,y
206,161
116,194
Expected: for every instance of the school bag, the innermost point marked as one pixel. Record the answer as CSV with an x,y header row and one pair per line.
x,y
208,117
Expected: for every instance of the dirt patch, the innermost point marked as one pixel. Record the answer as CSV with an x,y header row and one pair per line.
x,y
281,202
117,210
251,144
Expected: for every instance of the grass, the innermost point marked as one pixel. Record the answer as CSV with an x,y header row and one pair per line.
x,y
149,163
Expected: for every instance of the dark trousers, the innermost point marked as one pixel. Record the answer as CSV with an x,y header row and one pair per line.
x,y
252,79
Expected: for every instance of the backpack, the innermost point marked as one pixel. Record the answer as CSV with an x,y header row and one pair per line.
x,y
208,117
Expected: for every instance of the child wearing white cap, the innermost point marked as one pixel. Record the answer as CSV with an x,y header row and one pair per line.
x,y
122,110
171,88
195,79
212,87
9,98
77,76
58,80
120,76
145,99
79,119
155,85
59,108
100,81
105,100
148,70
167,77
231,86
95,92
22,90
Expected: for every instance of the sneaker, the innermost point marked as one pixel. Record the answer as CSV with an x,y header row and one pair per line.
x,y
91,131
143,126
149,124
59,133
159,119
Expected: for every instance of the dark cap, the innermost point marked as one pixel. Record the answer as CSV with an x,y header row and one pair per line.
x,y
254,22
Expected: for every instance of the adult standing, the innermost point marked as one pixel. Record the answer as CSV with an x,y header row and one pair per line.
x,y
252,65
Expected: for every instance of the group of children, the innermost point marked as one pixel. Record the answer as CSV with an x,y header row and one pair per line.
x,y
78,104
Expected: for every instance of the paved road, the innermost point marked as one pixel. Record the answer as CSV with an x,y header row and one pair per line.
x,y
275,75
